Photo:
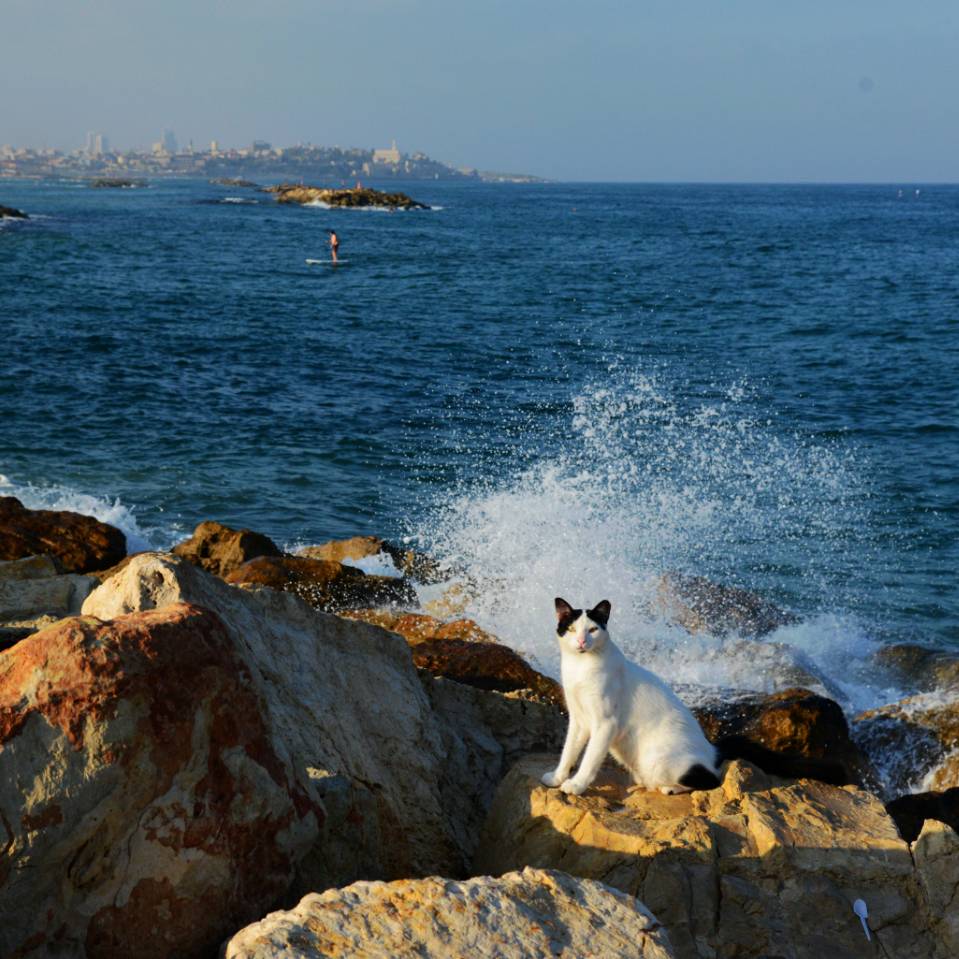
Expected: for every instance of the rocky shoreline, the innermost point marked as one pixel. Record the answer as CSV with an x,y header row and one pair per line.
x,y
228,749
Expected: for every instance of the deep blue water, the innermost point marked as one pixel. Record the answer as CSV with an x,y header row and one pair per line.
x,y
758,383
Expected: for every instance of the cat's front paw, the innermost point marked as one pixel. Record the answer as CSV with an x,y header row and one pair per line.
x,y
550,779
573,788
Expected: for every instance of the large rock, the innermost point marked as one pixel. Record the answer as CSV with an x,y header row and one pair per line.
x,y
29,567
755,868
9,212
462,651
79,543
220,549
914,743
920,667
343,704
145,810
418,628
910,812
322,583
936,853
796,721
51,596
482,735
701,606
409,562
523,915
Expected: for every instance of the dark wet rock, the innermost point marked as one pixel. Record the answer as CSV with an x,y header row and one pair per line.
x,y
118,183
322,583
410,562
920,667
914,743
219,549
795,721
10,213
80,544
701,606
911,811
484,665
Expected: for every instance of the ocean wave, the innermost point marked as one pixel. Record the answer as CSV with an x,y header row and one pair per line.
x,y
649,481
107,510
372,208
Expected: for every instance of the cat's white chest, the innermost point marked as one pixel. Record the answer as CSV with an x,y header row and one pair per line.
x,y
590,687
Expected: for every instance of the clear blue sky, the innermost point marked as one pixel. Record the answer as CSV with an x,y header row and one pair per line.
x,y
755,90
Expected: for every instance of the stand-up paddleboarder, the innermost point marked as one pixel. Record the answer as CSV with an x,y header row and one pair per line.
x,y
334,244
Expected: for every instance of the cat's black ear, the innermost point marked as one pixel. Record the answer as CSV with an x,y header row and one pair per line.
x,y
600,612
563,609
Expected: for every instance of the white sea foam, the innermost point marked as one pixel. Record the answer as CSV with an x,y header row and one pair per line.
x,y
104,509
642,485
238,199
371,208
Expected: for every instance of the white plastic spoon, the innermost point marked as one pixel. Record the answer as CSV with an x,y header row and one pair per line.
x,y
859,908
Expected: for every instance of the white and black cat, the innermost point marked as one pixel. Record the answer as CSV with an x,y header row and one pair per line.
x,y
620,708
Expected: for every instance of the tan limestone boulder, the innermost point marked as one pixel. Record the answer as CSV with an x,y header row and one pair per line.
x,y
531,914
219,549
483,733
79,543
145,810
936,854
757,867
345,709
58,596
324,584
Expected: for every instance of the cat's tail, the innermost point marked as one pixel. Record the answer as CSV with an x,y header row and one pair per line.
x,y
786,765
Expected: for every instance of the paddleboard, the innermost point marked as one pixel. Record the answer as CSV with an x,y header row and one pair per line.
x,y
326,262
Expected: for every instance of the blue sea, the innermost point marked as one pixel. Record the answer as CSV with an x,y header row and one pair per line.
x,y
564,389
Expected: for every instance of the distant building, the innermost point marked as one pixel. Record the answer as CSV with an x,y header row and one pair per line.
x,y
214,147
261,146
96,144
390,157
168,142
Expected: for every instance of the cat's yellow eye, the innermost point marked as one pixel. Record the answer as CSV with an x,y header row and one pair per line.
x,y
593,629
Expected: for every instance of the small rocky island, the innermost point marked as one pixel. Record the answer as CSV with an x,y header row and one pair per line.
x,y
234,181
356,197
118,183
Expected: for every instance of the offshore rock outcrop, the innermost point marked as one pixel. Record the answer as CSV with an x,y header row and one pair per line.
x,y
13,214
359,197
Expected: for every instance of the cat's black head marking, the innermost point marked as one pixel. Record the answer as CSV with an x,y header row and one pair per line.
x,y
600,612
565,615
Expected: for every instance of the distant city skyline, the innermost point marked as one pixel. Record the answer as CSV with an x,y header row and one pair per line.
x,y
741,91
